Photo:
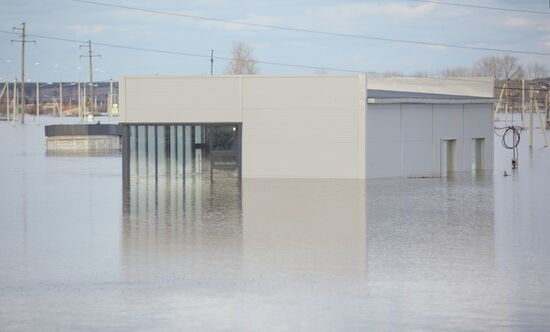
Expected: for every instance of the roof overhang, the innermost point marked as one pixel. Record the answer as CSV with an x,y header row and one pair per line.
x,y
429,101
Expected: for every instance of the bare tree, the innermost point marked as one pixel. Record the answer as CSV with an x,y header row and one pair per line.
x,y
242,62
499,68
391,73
511,67
421,73
456,72
489,66
537,70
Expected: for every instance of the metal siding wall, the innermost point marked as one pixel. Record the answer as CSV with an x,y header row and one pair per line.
x,y
383,141
405,139
448,124
417,140
478,123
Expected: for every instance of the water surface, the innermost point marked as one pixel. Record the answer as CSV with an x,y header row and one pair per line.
x,y
460,253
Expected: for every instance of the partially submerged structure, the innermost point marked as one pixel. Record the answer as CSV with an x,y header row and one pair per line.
x,y
83,138
305,126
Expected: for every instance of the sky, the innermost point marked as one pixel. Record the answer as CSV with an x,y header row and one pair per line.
x,y
50,60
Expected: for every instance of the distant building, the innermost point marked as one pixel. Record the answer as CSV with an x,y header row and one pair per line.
x,y
305,126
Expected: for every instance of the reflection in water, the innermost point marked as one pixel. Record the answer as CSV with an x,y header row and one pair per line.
x,y
311,230
171,227
298,244
431,246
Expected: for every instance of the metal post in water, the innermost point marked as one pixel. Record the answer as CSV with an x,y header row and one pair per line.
x,y
541,123
522,102
547,107
506,104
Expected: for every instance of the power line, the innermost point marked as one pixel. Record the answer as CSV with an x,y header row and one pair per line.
x,y
310,31
281,64
171,52
455,4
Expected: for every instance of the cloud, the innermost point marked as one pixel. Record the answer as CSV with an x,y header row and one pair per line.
x,y
252,18
517,22
87,30
437,47
357,10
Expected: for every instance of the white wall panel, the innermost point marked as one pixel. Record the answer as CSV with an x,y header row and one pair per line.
x,y
301,92
182,99
303,127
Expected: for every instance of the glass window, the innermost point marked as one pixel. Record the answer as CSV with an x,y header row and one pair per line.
x,y
141,151
133,150
161,153
151,151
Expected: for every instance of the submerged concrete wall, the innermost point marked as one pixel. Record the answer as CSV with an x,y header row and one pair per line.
x,y
100,143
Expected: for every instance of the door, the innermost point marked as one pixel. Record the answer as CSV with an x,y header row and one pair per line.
x,y
225,150
448,157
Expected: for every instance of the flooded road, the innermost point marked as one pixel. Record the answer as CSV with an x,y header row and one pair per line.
x,y
460,253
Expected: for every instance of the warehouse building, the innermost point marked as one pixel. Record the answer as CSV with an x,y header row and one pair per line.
x,y
323,126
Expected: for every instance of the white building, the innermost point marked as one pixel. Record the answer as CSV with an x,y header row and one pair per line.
x,y
305,126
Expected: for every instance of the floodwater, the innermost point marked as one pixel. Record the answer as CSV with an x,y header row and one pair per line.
x,y
78,253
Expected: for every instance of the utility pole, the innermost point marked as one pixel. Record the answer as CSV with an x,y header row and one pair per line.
x,y
211,62
547,107
90,55
22,41
541,123
522,102
506,104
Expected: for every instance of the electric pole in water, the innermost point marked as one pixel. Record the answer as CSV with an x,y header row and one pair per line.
x,y
211,62
90,55
22,94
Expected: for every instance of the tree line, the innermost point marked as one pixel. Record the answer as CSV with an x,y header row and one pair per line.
x,y
498,67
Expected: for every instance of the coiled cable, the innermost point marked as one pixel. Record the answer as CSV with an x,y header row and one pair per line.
x,y
515,132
